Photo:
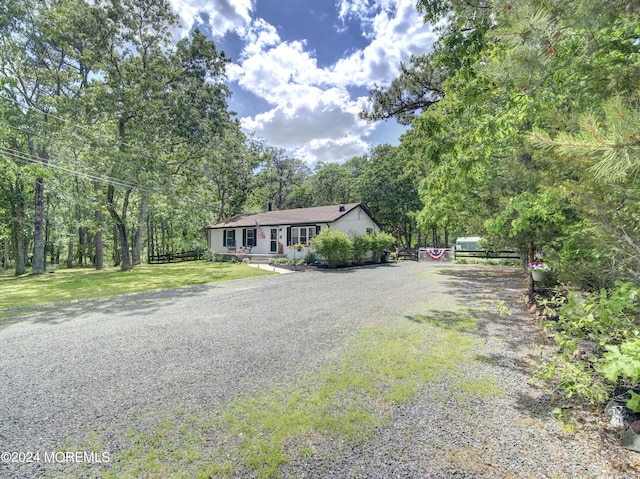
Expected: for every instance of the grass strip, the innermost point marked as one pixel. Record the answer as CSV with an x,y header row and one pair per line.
x,y
82,283
342,403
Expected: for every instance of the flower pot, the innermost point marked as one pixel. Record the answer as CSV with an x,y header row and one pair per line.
x,y
538,275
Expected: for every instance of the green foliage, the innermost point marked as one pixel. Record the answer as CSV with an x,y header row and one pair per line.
x,y
537,216
621,361
608,321
335,246
534,135
279,181
361,246
381,242
130,123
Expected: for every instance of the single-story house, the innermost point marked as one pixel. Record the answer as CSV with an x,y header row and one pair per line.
x,y
276,232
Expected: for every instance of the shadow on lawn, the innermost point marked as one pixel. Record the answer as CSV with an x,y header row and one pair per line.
x,y
58,313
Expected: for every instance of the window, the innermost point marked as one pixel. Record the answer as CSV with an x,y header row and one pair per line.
x,y
229,238
302,235
250,239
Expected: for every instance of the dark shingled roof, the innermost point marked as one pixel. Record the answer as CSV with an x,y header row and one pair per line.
x,y
300,216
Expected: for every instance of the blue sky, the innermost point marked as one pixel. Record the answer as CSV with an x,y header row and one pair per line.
x,y
301,69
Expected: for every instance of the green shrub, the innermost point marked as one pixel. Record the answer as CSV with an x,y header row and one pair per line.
x,y
361,247
608,321
380,242
334,245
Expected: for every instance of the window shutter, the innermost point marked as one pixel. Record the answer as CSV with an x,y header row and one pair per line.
x,y
288,235
317,229
244,237
224,237
255,236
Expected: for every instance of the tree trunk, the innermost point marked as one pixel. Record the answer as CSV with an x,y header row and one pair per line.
x,y
19,252
5,257
70,249
38,263
17,229
163,243
137,240
150,245
120,223
116,246
39,260
50,247
97,238
82,247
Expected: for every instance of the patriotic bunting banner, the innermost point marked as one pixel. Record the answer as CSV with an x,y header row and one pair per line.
x,y
436,253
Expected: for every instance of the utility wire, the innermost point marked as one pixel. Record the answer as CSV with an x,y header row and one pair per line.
x,y
99,135
77,125
19,155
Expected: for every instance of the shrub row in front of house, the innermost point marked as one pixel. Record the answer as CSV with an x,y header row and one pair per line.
x,y
338,248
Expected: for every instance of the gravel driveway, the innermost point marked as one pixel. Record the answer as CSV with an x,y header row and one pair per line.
x,y
69,370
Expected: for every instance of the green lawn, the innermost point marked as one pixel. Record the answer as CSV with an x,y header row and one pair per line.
x,y
80,283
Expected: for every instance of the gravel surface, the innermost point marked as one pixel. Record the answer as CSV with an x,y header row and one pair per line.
x,y
102,365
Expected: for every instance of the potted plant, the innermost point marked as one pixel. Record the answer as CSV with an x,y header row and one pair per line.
x,y
538,270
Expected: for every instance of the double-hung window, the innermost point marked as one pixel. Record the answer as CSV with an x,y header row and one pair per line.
x,y
229,238
251,238
302,234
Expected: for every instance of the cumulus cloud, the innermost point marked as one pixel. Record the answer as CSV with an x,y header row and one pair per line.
x,y
312,112
328,116
223,15
328,150
395,39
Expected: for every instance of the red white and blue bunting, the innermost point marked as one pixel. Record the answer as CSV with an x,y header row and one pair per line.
x,y
436,253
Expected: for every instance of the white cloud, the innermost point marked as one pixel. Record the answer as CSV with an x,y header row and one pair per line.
x,y
330,150
224,15
319,126
280,74
312,113
395,39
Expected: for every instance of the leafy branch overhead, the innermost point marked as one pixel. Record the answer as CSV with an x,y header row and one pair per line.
x,y
608,146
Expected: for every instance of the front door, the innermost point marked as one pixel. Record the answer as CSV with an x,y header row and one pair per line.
x,y
274,240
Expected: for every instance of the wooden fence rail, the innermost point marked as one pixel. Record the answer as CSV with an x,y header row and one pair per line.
x,y
485,254
174,257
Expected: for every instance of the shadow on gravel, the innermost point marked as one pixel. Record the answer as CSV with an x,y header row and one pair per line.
x,y
58,313
480,283
539,406
347,269
446,320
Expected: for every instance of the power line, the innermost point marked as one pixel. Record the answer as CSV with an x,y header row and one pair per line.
x,y
81,127
19,155
77,125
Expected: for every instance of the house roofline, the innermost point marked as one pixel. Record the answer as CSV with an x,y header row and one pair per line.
x,y
286,221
